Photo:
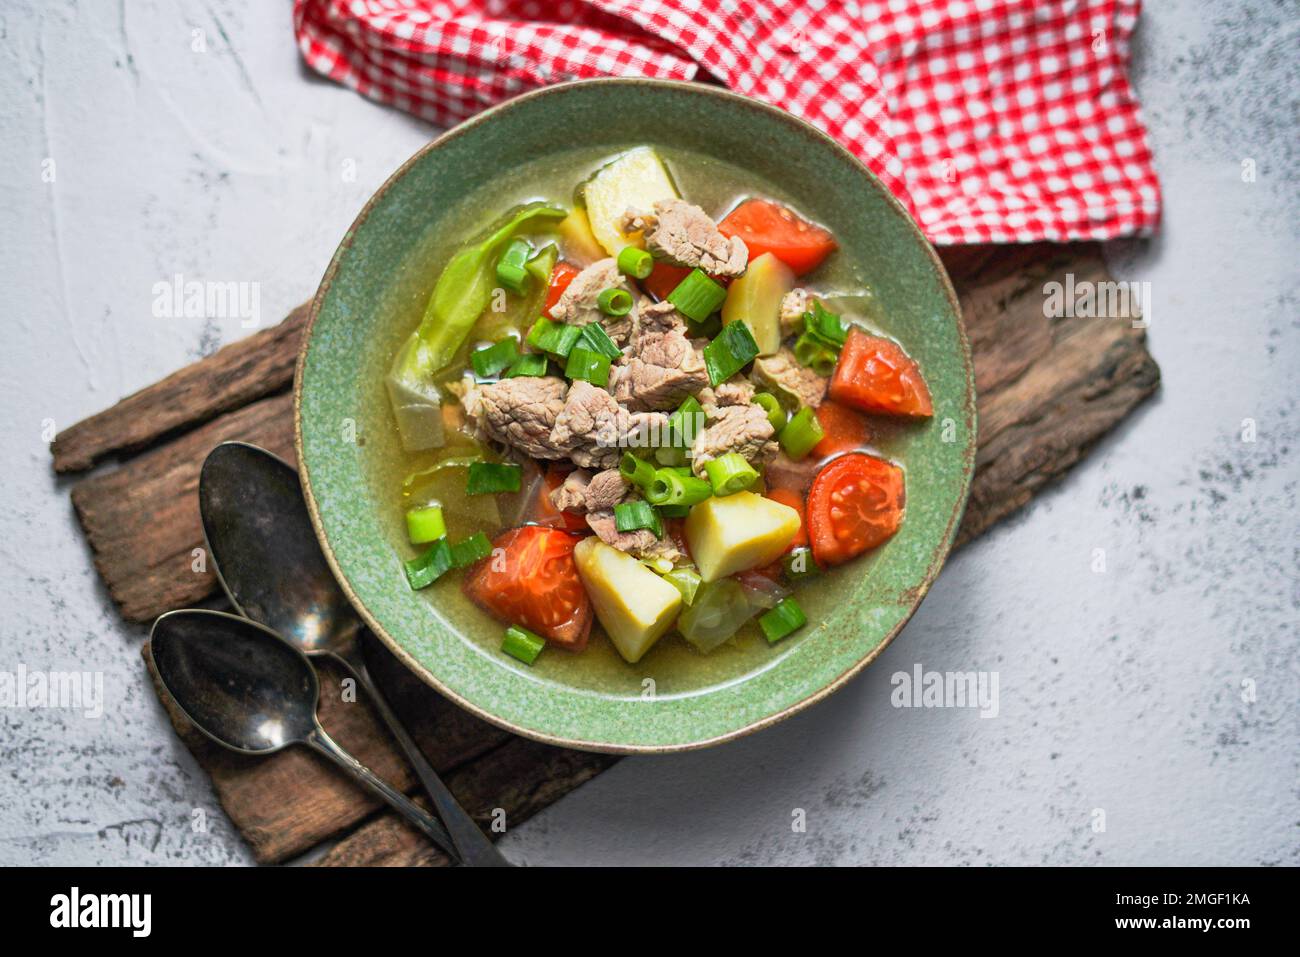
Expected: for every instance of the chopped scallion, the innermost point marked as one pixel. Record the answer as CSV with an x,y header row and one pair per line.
x,y
427,567
825,327
670,487
522,644
512,269
557,338
614,302
631,516
542,262
730,473
595,338
798,564
583,363
635,262
424,525
471,550
487,478
492,359
697,296
801,433
772,406
684,424
528,364
669,455
674,511
731,351
637,471
814,354
786,618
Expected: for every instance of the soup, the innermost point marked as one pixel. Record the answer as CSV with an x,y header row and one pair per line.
x,y
648,412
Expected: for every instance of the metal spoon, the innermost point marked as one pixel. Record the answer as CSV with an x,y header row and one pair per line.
x,y
269,562
248,689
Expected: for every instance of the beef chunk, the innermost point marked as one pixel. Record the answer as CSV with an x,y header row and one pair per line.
x,y
682,233
662,366
594,430
734,428
793,305
519,413
734,392
583,492
577,306
784,373
640,544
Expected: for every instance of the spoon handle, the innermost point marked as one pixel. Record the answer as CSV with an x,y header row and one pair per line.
x,y
475,850
322,743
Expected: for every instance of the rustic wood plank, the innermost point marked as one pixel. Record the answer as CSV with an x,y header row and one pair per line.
x,y
1049,389
231,377
142,520
287,803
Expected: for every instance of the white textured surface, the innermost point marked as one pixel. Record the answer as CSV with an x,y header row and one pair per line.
x,y
1120,691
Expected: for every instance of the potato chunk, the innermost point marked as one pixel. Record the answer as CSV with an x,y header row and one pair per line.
x,y
755,299
738,532
635,606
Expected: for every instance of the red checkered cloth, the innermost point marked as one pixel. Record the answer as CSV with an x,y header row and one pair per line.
x,y
991,120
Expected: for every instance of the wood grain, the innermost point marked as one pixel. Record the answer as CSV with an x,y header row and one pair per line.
x,y
243,371
1048,389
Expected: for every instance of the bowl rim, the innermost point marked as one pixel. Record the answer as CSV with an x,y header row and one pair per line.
x,y
932,569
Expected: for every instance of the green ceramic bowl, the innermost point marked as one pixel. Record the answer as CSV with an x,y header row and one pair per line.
x,y
676,699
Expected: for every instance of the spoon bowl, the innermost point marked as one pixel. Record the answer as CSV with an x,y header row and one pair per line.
x,y
236,681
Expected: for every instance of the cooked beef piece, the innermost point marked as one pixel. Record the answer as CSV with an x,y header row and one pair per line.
x,y
571,494
734,392
595,431
583,492
640,544
793,305
577,306
662,367
784,373
785,472
682,233
734,428
519,413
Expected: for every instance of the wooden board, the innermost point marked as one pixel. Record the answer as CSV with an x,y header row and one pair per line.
x,y
1048,390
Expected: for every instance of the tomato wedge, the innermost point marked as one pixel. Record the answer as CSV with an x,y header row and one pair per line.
x,y
768,227
788,496
531,579
663,279
856,503
544,510
876,375
561,275
846,430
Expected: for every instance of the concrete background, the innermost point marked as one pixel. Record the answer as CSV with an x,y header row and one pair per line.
x,y
1120,691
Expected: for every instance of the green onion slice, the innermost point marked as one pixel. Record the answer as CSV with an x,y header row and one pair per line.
x,y
492,359
730,473
814,354
801,433
825,327
426,568
595,338
637,471
697,296
614,302
528,364
424,525
731,351
583,363
670,487
635,262
772,406
674,511
685,423
798,564
522,644
486,478
631,516
557,338
512,269
781,621
471,550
